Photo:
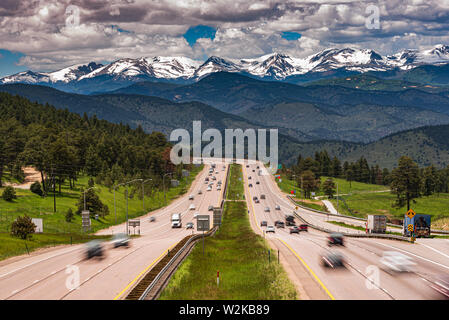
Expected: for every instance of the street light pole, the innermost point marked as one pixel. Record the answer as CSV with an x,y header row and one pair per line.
x,y
115,207
337,197
143,192
163,182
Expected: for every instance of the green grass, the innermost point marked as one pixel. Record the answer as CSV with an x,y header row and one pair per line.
x,y
235,188
381,203
240,255
12,246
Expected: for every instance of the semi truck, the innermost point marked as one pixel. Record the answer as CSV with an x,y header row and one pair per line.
x,y
176,220
420,224
376,224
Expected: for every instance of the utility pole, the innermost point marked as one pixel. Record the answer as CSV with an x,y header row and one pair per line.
x,y
54,189
337,197
143,192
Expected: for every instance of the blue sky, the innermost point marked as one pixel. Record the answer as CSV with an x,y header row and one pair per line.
x,y
197,32
8,62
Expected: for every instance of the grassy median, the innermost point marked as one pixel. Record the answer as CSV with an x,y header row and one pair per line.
x,y
239,254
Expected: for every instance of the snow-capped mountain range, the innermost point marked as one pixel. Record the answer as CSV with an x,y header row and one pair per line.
x,y
274,66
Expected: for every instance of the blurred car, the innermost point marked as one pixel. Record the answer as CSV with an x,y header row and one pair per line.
x,y
192,207
213,178
280,224
277,207
191,197
218,188
210,208
120,239
270,229
247,165
195,215
219,182
333,260
250,185
294,229
262,196
94,248
267,209
335,239
209,188
393,261
256,201
189,225
263,223
257,167
249,178
200,192
257,182
206,182
254,170
440,283
303,227
255,198
152,219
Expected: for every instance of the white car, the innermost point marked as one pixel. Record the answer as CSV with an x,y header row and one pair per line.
x,y
192,207
195,215
209,188
216,172
267,209
218,188
270,229
393,261
277,207
200,192
191,197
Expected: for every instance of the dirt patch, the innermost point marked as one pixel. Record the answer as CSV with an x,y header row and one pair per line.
x,y
31,176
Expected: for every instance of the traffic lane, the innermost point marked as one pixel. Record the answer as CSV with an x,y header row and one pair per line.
x,y
118,264
343,283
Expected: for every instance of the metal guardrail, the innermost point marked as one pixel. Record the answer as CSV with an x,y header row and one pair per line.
x,y
173,260
194,238
356,218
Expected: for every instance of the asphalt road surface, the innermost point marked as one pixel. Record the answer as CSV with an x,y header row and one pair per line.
x,y
49,275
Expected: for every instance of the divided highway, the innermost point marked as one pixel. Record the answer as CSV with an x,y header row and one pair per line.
x,y
46,276
361,255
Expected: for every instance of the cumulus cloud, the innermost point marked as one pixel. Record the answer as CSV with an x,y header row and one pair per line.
x,y
46,32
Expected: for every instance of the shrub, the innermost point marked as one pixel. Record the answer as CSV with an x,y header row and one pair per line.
x,y
23,227
9,194
36,188
69,215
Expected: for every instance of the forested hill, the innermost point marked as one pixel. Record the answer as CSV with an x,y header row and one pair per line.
x,y
62,144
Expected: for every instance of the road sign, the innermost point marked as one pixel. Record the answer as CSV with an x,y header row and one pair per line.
x,y
134,224
85,219
410,213
185,173
38,222
174,183
203,223
410,227
217,217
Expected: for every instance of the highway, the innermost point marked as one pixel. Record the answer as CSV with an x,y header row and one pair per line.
x,y
361,255
44,275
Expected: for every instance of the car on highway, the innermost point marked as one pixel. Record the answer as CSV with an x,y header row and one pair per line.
x,y
257,167
249,178
303,227
213,178
270,229
94,248
216,172
333,260
250,185
195,215
256,201
254,170
247,165
294,229
189,225
262,196
210,208
192,207
200,192
279,224
257,182
218,188
206,179
393,261
277,207
191,197
267,209
263,223
120,240
206,182
335,239
219,182
152,219
209,188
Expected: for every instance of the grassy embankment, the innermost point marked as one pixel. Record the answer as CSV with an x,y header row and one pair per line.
x,y
57,230
239,254
362,199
